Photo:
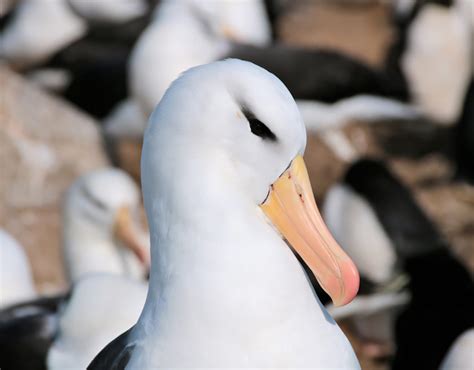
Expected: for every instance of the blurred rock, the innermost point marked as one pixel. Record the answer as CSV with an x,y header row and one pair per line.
x,y
361,29
44,145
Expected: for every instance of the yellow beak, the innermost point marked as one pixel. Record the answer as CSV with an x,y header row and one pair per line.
x,y
127,232
292,209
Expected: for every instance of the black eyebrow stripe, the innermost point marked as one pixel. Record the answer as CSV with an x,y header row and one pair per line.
x,y
257,127
93,199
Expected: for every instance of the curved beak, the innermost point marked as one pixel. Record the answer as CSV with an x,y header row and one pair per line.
x,y
292,209
130,234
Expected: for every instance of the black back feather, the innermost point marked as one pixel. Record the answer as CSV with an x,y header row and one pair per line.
x,y
115,356
27,330
411,231
320,75
441,288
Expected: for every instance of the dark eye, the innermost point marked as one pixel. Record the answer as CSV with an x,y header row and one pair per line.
x,y
258,127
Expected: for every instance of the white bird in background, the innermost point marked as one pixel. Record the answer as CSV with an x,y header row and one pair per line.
x,y
16,280
436,59
100,227
39,28
113,11
101,307
68,330
414,292
181,35
187,33
222,177
126,120
106,257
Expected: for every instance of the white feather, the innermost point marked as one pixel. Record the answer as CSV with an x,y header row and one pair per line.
x,y
39,29
101,308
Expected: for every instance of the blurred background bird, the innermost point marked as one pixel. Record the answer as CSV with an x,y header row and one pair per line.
x,y
385,88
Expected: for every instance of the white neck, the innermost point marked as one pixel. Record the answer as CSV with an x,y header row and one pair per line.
x,y
223,280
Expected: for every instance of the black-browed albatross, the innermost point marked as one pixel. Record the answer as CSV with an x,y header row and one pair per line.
x,y
224,184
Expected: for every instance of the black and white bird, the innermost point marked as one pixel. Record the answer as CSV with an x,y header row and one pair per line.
x,y
106,259
27,331
98,61
66,331
78,49
101,230
397,248
224,185
191,33
432,54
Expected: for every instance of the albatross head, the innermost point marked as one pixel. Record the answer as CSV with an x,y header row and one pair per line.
x,y
101,230
228,136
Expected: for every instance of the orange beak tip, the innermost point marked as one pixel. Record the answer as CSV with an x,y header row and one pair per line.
x,y
351,283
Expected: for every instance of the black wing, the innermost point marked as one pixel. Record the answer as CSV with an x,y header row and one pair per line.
x,y
319,74
116,355
27,330
411,231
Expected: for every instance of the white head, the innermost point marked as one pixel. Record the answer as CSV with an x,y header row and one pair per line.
x,y
101,231
212,127
220,141
16,280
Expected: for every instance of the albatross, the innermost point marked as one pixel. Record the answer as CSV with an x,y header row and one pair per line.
x,y
400,252
225,185
100,227
106,258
